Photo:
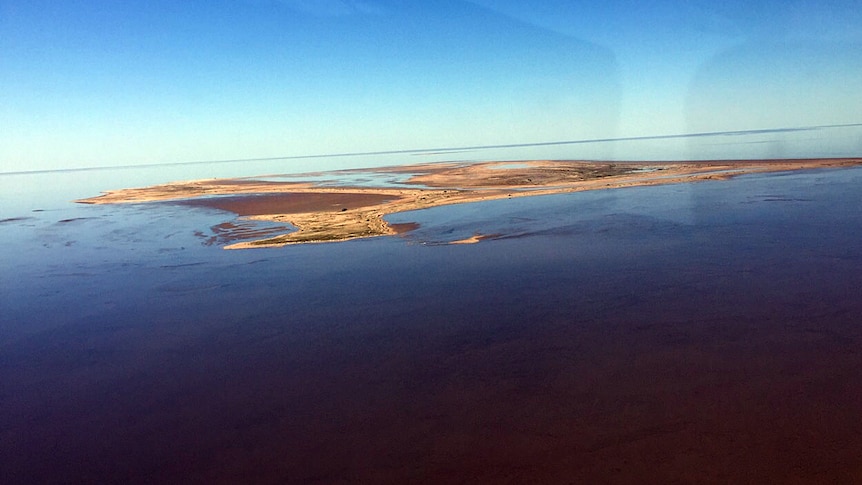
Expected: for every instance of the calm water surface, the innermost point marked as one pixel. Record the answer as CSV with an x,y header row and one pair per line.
x,y
703,332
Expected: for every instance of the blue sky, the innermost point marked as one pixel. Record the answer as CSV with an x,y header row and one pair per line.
x,y
103,83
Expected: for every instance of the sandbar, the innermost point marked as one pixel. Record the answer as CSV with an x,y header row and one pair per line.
x,y
327,211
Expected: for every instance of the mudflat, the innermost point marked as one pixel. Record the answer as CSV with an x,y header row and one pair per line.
x,y
323,211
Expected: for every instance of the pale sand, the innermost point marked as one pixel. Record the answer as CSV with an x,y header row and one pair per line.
x,y
475,238
470,240
358,212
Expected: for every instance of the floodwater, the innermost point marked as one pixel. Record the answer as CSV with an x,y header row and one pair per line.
x,y
692,333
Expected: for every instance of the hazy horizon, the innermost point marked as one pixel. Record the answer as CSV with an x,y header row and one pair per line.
x,y
847,143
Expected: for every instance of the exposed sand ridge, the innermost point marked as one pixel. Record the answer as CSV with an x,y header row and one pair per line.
x,y
337,213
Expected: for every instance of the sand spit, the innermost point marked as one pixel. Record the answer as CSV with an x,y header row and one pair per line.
x,y
338,213
474,239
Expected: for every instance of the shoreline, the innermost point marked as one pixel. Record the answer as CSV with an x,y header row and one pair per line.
x,y
340,213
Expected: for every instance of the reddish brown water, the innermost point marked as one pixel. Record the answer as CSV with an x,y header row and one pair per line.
x,y
705,333
290,203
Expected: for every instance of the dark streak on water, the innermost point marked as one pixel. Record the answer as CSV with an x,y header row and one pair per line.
x,y
679,334
13,219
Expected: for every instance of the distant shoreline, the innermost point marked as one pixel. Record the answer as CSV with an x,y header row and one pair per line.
x,y
332,213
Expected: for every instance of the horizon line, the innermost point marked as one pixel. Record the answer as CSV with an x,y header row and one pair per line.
x,y
442,149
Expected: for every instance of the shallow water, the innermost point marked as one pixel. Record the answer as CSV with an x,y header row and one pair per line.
x,y
680,333
348,179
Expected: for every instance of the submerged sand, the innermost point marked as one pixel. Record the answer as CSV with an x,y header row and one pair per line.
x,y
328,213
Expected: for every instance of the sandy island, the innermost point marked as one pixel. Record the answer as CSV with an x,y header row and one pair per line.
x,y
327,213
